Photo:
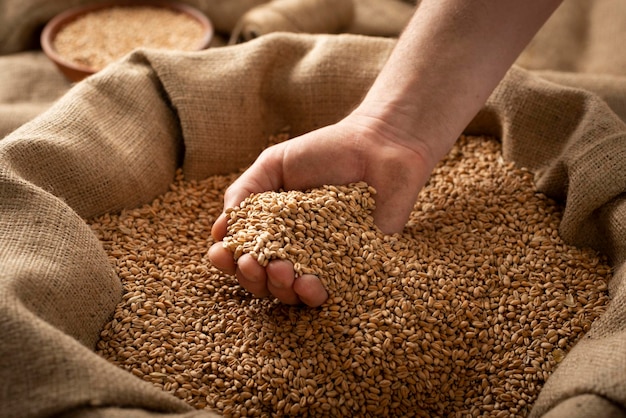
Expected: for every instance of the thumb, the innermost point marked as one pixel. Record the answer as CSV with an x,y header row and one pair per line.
x,y
265,174
219,228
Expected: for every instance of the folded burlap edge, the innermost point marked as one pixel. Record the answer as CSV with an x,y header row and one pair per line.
x,y
99,148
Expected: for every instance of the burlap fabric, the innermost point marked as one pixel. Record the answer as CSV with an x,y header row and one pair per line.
x,y
116,139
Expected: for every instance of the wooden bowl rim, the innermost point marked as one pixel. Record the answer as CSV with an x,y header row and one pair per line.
x,y
76,70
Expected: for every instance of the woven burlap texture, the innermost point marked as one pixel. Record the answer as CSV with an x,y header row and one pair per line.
x,y
115,140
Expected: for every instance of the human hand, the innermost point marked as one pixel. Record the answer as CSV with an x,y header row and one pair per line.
x,y
355,149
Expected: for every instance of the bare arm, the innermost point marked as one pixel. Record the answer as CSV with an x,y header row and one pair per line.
x,y
445,65
447,62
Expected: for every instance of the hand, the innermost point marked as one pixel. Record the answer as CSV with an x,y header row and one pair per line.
x,y
421,89
355,149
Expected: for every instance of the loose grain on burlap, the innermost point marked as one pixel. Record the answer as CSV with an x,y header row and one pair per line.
x,y
115,140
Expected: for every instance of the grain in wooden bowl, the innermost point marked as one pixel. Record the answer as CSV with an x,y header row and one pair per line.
x,y
83,40
464,314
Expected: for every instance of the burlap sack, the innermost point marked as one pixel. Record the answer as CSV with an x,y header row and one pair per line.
x,y
365,17
21,21
31,85
305,16
381,18
115,140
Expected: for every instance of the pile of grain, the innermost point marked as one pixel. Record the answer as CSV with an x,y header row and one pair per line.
x,y
466,313
103,36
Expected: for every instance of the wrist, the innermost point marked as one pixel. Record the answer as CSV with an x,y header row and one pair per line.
x,y
401,124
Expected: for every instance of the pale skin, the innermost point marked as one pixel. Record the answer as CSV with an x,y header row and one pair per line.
x,y
446,63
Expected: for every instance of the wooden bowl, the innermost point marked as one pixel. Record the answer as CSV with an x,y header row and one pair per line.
x,y
76,71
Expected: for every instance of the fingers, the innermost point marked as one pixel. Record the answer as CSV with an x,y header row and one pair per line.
x,y
221,258
263,175
251,276
310,290
292,290
219,228
278,279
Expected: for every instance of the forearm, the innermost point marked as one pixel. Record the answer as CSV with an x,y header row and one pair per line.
x,y
445,65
